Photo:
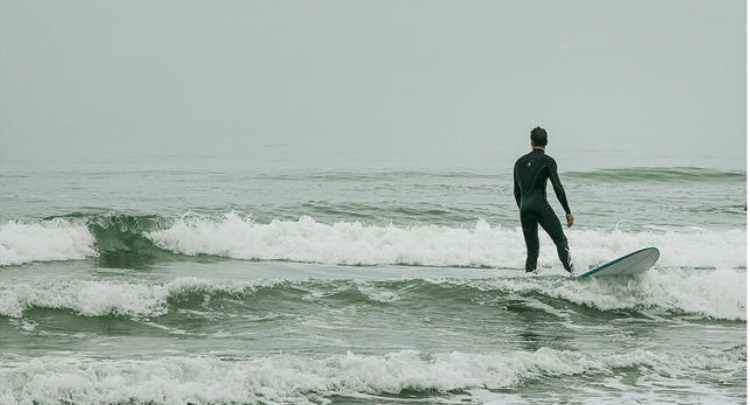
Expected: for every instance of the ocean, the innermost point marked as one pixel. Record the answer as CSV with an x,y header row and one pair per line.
x,y
375,286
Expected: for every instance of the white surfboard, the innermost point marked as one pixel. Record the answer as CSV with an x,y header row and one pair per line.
x,y
628,265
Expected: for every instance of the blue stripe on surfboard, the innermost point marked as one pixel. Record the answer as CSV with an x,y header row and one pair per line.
x,y
605,265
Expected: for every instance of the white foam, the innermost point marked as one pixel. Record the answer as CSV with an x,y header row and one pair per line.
x,y
353,243
57,239
296,379
98,298
378,294
718,294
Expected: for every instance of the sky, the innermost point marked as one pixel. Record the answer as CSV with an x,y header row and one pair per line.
x,y
357,84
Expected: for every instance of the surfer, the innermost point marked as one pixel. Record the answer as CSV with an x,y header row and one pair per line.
x,y
530,175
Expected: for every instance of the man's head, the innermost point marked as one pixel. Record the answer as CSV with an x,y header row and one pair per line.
x,y
538,137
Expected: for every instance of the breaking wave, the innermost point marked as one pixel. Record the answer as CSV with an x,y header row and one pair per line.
x,y
297,379
130,241
483,245
56,239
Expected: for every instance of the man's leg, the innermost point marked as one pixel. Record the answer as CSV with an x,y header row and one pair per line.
x,y
551,224
531,236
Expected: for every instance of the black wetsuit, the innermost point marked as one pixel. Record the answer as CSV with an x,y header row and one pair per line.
x,y
530,176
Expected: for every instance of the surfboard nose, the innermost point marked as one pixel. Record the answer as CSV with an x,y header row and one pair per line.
x,y
631,264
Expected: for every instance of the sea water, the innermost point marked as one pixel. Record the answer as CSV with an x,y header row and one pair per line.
x,y
138,285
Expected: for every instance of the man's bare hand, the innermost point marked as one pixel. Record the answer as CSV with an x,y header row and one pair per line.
x,y
569,219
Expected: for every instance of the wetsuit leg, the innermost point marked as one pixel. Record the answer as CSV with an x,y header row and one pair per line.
x,y
530,226
551,224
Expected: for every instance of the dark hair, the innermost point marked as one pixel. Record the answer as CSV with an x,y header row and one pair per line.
x,y
539,137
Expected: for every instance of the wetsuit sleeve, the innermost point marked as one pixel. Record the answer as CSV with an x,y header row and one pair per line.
x,y
557,185
516,189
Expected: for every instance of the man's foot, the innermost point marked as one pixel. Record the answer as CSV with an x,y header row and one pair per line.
x,y
570,267
533,272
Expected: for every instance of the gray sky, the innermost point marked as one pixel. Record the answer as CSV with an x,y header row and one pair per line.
x,y
355,83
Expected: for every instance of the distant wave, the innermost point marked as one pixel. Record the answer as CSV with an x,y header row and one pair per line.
x,y
611,174
297,379
666,174
716,294
374,212
131,241
380,175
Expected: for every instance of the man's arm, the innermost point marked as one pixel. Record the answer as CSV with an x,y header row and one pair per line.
x,y
516,189
557,185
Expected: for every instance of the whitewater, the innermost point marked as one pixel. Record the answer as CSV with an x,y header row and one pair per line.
x,y
354,243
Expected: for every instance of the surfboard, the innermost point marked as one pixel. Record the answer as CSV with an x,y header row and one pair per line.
x,y
628,265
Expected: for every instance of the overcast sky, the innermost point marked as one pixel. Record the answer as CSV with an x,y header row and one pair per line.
x,y
431,83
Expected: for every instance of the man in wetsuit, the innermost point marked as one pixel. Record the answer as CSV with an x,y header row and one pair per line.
x,y
530,176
